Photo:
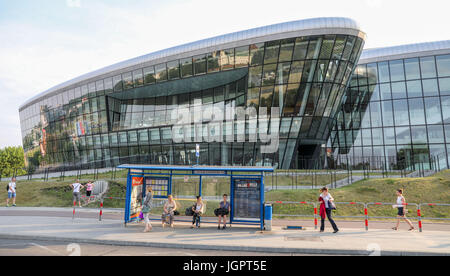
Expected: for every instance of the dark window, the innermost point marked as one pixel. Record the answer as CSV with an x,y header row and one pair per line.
x,y
213,62
272,52
149,75
186,68
200,64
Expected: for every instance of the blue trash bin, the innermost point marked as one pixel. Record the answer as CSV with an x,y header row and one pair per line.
x,y
268,217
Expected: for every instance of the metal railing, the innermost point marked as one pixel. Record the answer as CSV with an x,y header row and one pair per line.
x,y
365,215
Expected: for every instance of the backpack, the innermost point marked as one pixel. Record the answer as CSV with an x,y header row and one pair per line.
x,y
7,187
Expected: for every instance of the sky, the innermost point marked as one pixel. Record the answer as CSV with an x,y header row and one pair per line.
x,y
46,42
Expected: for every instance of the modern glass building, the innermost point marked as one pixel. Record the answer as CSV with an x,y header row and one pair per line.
x,y
125,113
397,109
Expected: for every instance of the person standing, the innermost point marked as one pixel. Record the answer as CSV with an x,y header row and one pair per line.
x,y
147,205
224,210
11,192
198,210
401,214
89,189
77,187
326,207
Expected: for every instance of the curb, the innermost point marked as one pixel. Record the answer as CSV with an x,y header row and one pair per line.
x,y
308,251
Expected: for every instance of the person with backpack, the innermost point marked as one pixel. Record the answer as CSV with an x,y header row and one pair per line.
x,y
11,189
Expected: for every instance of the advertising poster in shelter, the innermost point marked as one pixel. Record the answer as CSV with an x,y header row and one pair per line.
x,y
136,197
247,196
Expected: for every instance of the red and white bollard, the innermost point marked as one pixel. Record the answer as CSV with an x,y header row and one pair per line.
x,y
74,206
366,213
101,210
315,217
419,216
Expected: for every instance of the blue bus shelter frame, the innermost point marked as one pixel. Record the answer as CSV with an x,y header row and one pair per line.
x,y
170,171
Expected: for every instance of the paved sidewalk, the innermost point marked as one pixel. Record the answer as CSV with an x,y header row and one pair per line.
x,y
113,232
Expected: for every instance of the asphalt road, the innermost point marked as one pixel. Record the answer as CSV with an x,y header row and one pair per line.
x,y
45,248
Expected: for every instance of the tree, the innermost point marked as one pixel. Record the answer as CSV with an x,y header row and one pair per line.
x,y
12,161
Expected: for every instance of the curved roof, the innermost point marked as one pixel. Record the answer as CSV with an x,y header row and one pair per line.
x,y
405,51
314,26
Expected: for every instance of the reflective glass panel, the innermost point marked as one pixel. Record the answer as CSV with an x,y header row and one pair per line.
x,y
161,72
256,54
186,68
255,74
149,75
383,72
241,56
227,59
414,88
416,111
427,67
398,90
401,113
138,78
430,87
272,52
269,74
173,68
444,86
301,48
213,61
200,64
412,69
443,65
286,50
433,110
397,70
387,113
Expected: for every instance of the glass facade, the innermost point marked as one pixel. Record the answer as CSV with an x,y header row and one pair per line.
x,y
396,113
128,118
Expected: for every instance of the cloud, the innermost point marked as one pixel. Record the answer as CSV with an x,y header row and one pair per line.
x,y
73,3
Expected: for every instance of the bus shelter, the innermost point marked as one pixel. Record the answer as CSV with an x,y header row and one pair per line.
x,y
246,188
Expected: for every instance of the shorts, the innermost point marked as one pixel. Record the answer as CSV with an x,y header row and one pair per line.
x,y
11,195
76,197
88,193
401,211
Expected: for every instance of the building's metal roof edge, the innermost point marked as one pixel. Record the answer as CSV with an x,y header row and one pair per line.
x,y
405,51
195,168
325,23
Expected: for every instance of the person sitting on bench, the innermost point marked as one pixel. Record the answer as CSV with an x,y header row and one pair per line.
x,y
198,210
223,211
169,211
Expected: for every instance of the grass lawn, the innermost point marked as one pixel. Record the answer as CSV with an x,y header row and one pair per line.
x,y
435,189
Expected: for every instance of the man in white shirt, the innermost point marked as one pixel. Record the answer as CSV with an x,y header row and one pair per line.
x,y
76,191
11,192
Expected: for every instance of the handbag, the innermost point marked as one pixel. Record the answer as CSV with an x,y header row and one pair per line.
x,y
146,209
331,205
189,212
